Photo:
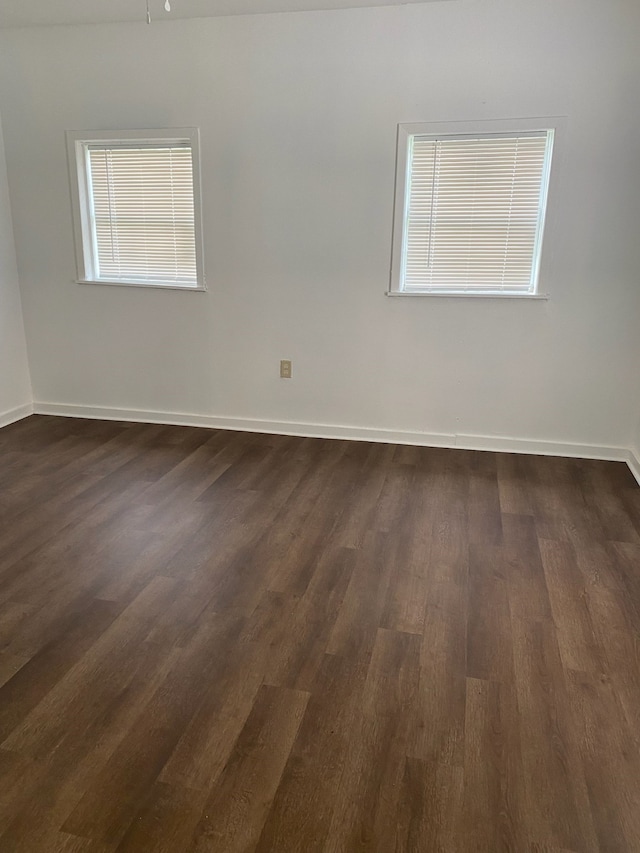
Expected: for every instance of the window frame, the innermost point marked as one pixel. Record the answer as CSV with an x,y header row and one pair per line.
x,y
479,128
77,156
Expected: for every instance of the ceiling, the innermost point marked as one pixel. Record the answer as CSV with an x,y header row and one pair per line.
x,y
28,13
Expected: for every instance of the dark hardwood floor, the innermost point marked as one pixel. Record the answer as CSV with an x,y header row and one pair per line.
x,y
217,641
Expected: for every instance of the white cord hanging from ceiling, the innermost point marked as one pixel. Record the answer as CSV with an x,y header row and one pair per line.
x,y
167,6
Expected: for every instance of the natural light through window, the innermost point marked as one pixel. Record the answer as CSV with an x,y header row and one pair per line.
x,y
137,204
470,212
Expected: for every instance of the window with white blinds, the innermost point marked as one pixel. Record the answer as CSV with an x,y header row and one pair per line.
x,y
472,213
137,200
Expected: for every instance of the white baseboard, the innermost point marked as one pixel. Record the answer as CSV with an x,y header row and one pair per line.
x,y
501,444
349,433
505,444
16,414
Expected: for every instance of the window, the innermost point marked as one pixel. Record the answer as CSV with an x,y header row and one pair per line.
x,y
136,205
470,209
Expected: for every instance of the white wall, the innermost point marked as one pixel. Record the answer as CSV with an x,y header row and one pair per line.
x,y
15,384
298,116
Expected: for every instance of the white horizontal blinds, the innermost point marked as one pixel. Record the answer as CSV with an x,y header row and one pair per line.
x,y
474,212
143,213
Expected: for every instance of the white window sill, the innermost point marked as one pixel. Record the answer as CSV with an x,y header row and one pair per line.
x,y
157,285
537,296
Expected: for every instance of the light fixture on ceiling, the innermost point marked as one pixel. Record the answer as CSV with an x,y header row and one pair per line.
x,y
167,6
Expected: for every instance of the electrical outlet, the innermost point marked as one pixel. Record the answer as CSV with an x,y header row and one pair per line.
x,y
285,369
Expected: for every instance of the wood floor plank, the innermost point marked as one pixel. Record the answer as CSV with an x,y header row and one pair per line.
x,y
208,740
431,802
301,813
485,517
358,515
355,630
524,571
493,806
101,673
439,737
10,665
615,520
23,692
166,822
441,702
57,781
568,594
65,843
109,805
368,791
557,805
610,751
238,806
489,640
626,559
19,774
512,485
